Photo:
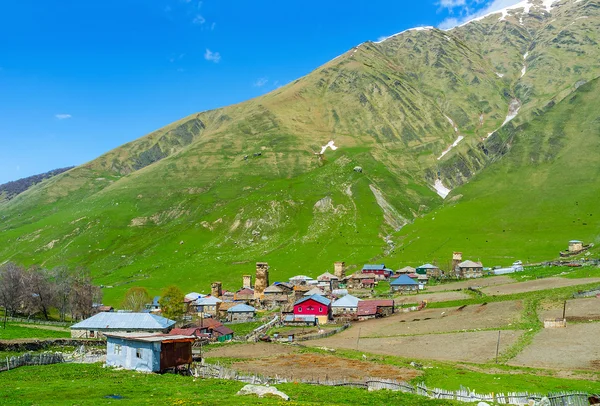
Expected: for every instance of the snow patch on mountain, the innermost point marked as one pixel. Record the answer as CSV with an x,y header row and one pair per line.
x,y
440,189
330,144
454,144
427,28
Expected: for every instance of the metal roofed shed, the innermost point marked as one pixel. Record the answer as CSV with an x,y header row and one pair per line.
x,y
346,304
102,323
150,353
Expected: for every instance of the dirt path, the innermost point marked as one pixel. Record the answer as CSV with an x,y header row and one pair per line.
x,y
477,347
539,284
254,350
479,282
320,366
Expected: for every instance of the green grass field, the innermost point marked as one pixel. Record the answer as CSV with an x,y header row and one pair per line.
x,y
69,384
21,330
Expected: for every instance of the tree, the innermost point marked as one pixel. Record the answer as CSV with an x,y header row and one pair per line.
x,y
62,284
39,291
171,303
83,294
136,299
11,288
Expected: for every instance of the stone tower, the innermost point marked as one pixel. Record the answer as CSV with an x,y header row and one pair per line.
x,y
247,281
216,289
262,279
456,259
339,269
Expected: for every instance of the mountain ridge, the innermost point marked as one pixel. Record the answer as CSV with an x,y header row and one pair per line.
x,y
220,189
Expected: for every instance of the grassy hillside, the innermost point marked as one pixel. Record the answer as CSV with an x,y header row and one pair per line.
x,y
204,198
529,204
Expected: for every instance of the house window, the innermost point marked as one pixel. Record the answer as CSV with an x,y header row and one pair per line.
x,y
320,309
138,353
118,349
299,310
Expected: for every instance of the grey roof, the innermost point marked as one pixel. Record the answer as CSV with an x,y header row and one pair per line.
x,y
208,301
124,321
241,308
326,276
314,291
373,267
149,338
316,298
427,266
403,280
575,241
406,269
469,264
347,301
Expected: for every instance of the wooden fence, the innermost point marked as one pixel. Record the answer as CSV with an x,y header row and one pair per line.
x,y
253,335
463,395
322,335
37,321
31,359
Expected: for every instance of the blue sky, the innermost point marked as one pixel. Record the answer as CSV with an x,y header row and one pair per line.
x,y
79,77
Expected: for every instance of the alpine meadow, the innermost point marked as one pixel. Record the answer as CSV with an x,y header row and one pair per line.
x,y
484,139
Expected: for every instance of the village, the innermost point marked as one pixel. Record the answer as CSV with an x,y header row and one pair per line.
x,y
288,331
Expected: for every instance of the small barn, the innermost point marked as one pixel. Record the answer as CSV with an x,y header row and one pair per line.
x,y
150,353
404,283
110,322
208,305
469,269
345,305
244,294
406,270
370,309
314,305
241,312
379,270
431,271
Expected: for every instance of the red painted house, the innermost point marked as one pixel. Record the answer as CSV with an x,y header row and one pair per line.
x,y
315,305
380,270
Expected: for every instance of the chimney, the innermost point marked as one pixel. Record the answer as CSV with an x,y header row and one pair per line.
x,y
262,279
216,289
247,281
339,269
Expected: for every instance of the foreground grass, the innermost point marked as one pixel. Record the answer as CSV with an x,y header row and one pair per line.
x,y
16,330
67,384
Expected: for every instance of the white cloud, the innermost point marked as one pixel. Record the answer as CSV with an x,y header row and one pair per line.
x,y
467,15
63,116
450,4
199,20
261,82
212,56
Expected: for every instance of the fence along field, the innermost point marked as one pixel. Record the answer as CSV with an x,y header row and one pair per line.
x,y
463,395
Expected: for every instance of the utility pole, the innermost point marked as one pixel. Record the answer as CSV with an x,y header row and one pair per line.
x,y
564,310
357,339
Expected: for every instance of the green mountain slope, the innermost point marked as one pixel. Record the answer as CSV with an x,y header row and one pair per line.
x,y
205,197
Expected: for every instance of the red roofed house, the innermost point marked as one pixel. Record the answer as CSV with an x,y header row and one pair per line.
x,y
314,305
191,331
370,309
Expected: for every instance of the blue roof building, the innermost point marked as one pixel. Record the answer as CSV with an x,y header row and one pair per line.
x,y
241,312
404,283
101,323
